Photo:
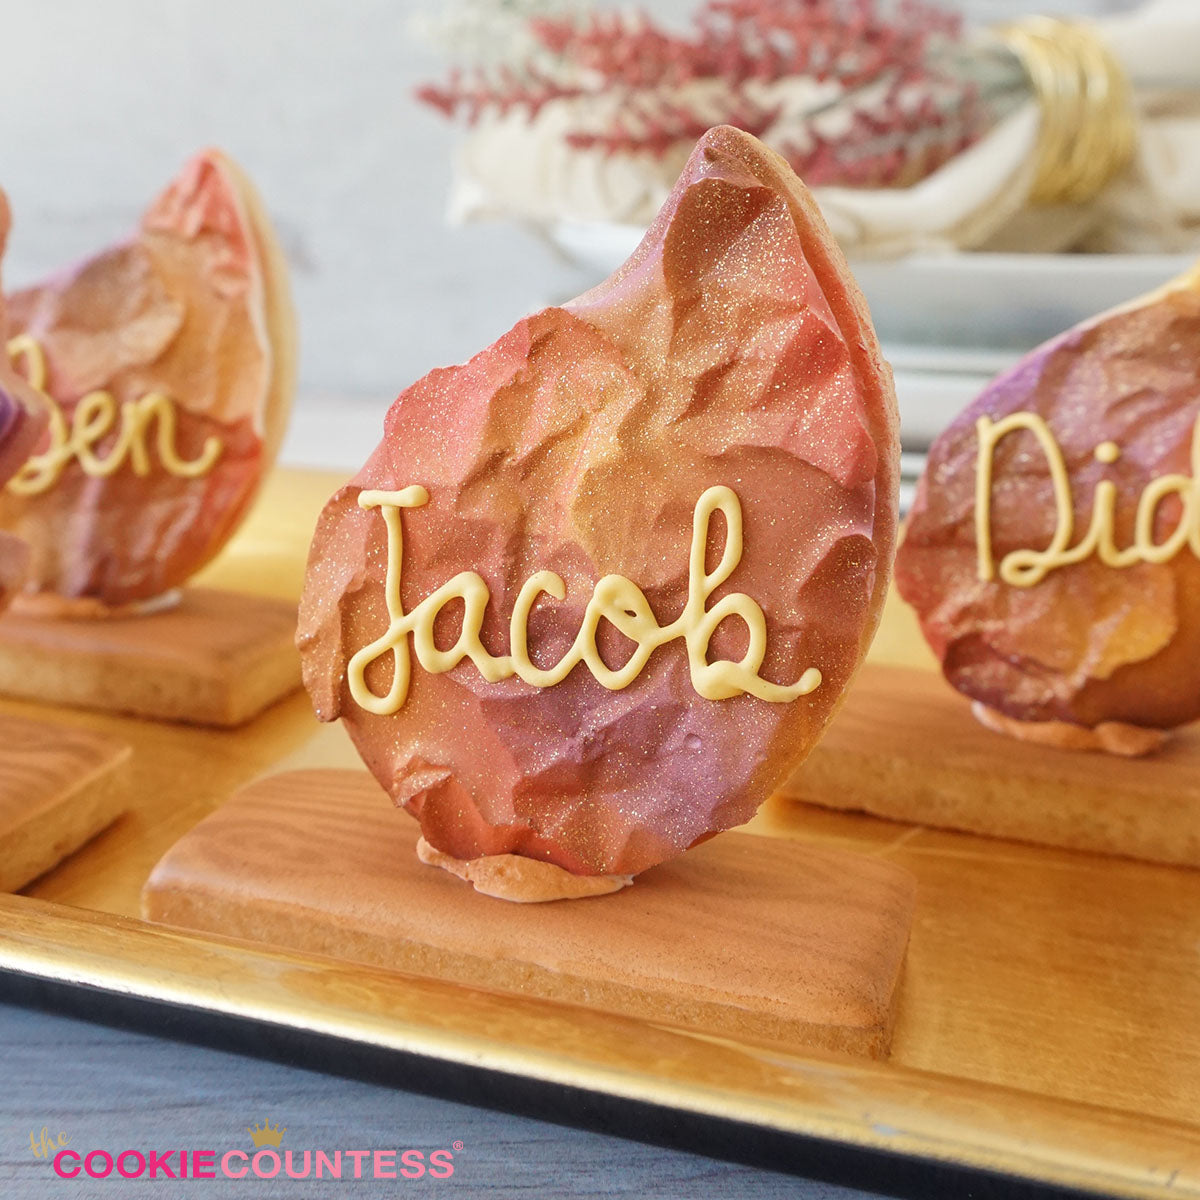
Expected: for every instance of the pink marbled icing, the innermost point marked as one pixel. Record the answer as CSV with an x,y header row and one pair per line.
x,y
732,349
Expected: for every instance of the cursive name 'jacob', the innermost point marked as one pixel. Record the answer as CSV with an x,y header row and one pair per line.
x,y
614,598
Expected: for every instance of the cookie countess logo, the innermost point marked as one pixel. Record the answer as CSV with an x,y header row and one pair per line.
x,y
265,1161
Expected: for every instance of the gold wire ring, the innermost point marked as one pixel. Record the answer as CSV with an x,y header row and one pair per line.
x,y
1088,133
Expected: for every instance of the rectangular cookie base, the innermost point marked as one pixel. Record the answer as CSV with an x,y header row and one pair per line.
x,y
58,788
217,658
905,746
742,937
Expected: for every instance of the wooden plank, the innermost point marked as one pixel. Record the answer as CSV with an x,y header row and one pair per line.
x,y
58,788
905,746
742,936
217,658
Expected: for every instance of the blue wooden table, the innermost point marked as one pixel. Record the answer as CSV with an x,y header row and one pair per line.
x,y
114,1089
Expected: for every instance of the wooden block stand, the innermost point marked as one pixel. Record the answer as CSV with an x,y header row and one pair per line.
x,y
58,788
905,746
216,658
743,937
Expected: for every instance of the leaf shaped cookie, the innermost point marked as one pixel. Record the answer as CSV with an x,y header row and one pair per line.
x,y
600,588
1052,550
168,363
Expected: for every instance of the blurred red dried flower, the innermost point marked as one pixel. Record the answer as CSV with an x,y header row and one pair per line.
x,y
898,109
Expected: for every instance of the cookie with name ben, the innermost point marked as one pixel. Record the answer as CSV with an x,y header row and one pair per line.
x,y
166,365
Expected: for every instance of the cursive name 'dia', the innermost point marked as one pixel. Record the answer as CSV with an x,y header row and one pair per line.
x,y
614,598
94,417
1025,567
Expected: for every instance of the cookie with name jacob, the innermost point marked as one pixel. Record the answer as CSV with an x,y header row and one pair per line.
x,y
601,587
1053,554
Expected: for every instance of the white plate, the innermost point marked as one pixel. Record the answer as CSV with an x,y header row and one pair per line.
x,y
1003,302
980,302
949,322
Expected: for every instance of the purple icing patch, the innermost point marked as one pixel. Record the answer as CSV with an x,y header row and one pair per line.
x,y
10,416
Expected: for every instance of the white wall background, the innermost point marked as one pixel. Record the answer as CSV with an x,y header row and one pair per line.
x,y
101,100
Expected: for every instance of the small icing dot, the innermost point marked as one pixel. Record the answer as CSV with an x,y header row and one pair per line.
x,y
1108,452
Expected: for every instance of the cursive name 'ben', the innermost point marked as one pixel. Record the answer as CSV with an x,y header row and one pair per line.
x,y
94,417
614,598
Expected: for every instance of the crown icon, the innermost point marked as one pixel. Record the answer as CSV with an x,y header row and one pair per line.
x,y
265,1135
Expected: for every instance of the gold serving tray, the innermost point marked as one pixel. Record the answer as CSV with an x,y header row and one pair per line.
x,y
1049,1024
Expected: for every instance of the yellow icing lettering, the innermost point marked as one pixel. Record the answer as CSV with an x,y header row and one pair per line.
x,y
614,599
1025,568
95,416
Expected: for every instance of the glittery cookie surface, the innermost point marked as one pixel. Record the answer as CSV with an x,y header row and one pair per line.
x,y
733,349
1090,643
188,309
